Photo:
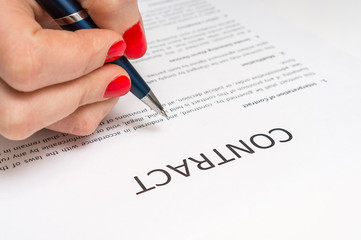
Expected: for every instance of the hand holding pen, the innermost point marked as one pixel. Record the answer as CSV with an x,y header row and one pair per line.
x,y
55,79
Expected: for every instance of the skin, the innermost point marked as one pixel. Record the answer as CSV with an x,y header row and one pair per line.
x,y
56,79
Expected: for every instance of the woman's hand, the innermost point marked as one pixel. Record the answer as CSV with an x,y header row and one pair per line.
x,y
56,79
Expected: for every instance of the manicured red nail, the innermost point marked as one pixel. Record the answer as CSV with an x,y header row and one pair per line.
x,y
118,87
116,51
134,37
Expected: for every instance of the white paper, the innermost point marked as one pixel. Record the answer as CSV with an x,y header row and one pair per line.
x,y
262,141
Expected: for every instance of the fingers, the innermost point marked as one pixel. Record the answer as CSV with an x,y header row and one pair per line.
x,y
32,57
85,119
122,16
57,79
25,113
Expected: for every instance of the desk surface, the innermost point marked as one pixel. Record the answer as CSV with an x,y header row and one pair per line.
x,y
337,22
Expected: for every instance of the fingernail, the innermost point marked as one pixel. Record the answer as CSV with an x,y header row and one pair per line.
x,y
116,51
118,87
134,37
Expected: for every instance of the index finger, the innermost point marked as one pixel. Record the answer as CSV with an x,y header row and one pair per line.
x,y
33,57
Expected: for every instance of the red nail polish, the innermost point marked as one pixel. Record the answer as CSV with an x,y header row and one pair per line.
x,y
118,87
136,42
116,51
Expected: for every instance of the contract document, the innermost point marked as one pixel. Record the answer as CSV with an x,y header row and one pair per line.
x,y
262,140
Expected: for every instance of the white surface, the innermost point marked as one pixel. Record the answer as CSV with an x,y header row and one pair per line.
x,y
307,188
337,22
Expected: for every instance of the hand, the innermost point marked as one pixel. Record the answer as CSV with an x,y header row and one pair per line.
x,y
56,79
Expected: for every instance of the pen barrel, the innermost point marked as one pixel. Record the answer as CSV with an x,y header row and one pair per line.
x,y
139,88
86,23
61,10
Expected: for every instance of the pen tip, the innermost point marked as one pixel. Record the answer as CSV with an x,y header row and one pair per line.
x,y
152,102
164,114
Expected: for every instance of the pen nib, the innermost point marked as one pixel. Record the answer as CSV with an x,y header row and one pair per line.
x,y
163,113
152,102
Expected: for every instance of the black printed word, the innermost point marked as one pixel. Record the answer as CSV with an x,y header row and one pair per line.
x,y
162,177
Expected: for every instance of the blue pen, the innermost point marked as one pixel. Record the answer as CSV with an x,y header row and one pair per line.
x,y
71,16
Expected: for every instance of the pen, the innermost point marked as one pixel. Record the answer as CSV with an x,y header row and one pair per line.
x,y
71,16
